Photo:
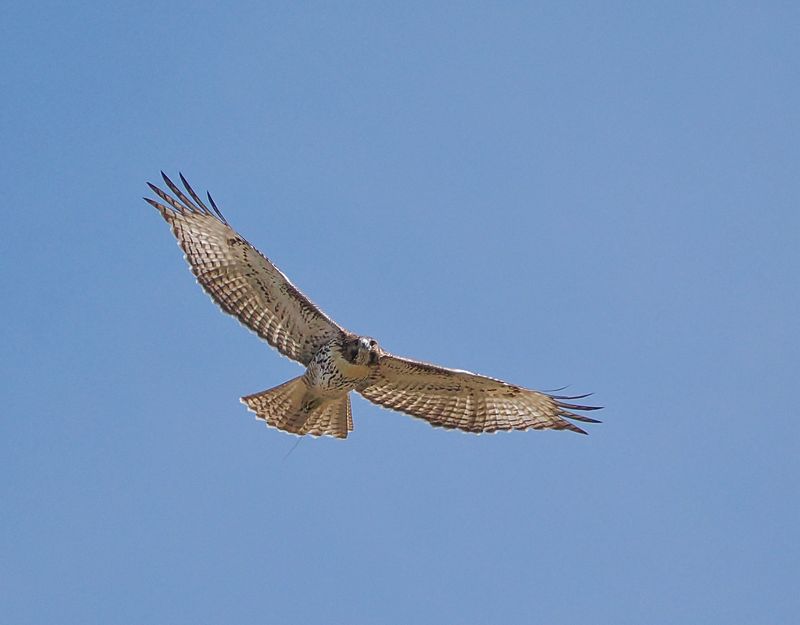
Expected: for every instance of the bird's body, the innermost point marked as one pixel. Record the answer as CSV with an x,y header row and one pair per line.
x,y
329,373
247,285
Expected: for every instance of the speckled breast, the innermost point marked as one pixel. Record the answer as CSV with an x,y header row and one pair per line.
x,y
329,373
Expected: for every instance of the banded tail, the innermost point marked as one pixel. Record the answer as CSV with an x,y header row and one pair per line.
x,y
292,408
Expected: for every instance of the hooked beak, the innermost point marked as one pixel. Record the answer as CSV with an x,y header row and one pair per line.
x,y
371,348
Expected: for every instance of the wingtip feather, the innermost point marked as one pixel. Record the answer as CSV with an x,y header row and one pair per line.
x,y
216,210
194,195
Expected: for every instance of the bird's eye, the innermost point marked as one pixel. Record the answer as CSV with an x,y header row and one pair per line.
x,y
373,343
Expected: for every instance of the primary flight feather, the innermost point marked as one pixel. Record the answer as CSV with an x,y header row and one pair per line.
x,y
248,286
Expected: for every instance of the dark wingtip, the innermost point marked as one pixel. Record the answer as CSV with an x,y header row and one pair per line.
x,y
194,195
567,408
571,427
185,182
170,184
579,407
584,396
216,210
578,417
184,204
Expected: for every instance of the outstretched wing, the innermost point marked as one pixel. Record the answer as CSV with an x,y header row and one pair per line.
x,y
452,398
242,280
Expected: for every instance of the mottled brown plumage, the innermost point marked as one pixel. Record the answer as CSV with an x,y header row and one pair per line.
x,y
248,286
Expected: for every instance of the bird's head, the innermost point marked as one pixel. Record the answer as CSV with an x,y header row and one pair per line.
x,y
361,350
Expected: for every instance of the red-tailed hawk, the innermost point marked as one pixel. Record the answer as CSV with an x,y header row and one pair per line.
x,y
248,286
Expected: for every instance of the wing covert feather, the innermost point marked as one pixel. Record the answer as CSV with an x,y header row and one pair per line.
x,y
241,280
452,398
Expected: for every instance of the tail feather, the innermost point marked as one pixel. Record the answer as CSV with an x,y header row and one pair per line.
x,y
291,408
332,418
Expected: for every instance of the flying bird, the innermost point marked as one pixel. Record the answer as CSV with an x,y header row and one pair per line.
x,y
245,284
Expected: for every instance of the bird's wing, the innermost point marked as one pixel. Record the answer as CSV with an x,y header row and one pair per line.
x,y
242,280
452,398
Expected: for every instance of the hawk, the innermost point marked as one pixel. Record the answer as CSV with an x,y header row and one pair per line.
x,y
245,284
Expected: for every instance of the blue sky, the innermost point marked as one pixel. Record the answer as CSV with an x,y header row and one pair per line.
x,y
595,195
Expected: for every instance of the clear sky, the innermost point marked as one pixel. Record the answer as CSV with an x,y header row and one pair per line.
x,y
599,195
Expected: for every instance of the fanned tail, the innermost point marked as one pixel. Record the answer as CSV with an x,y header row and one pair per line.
x,y
291,408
